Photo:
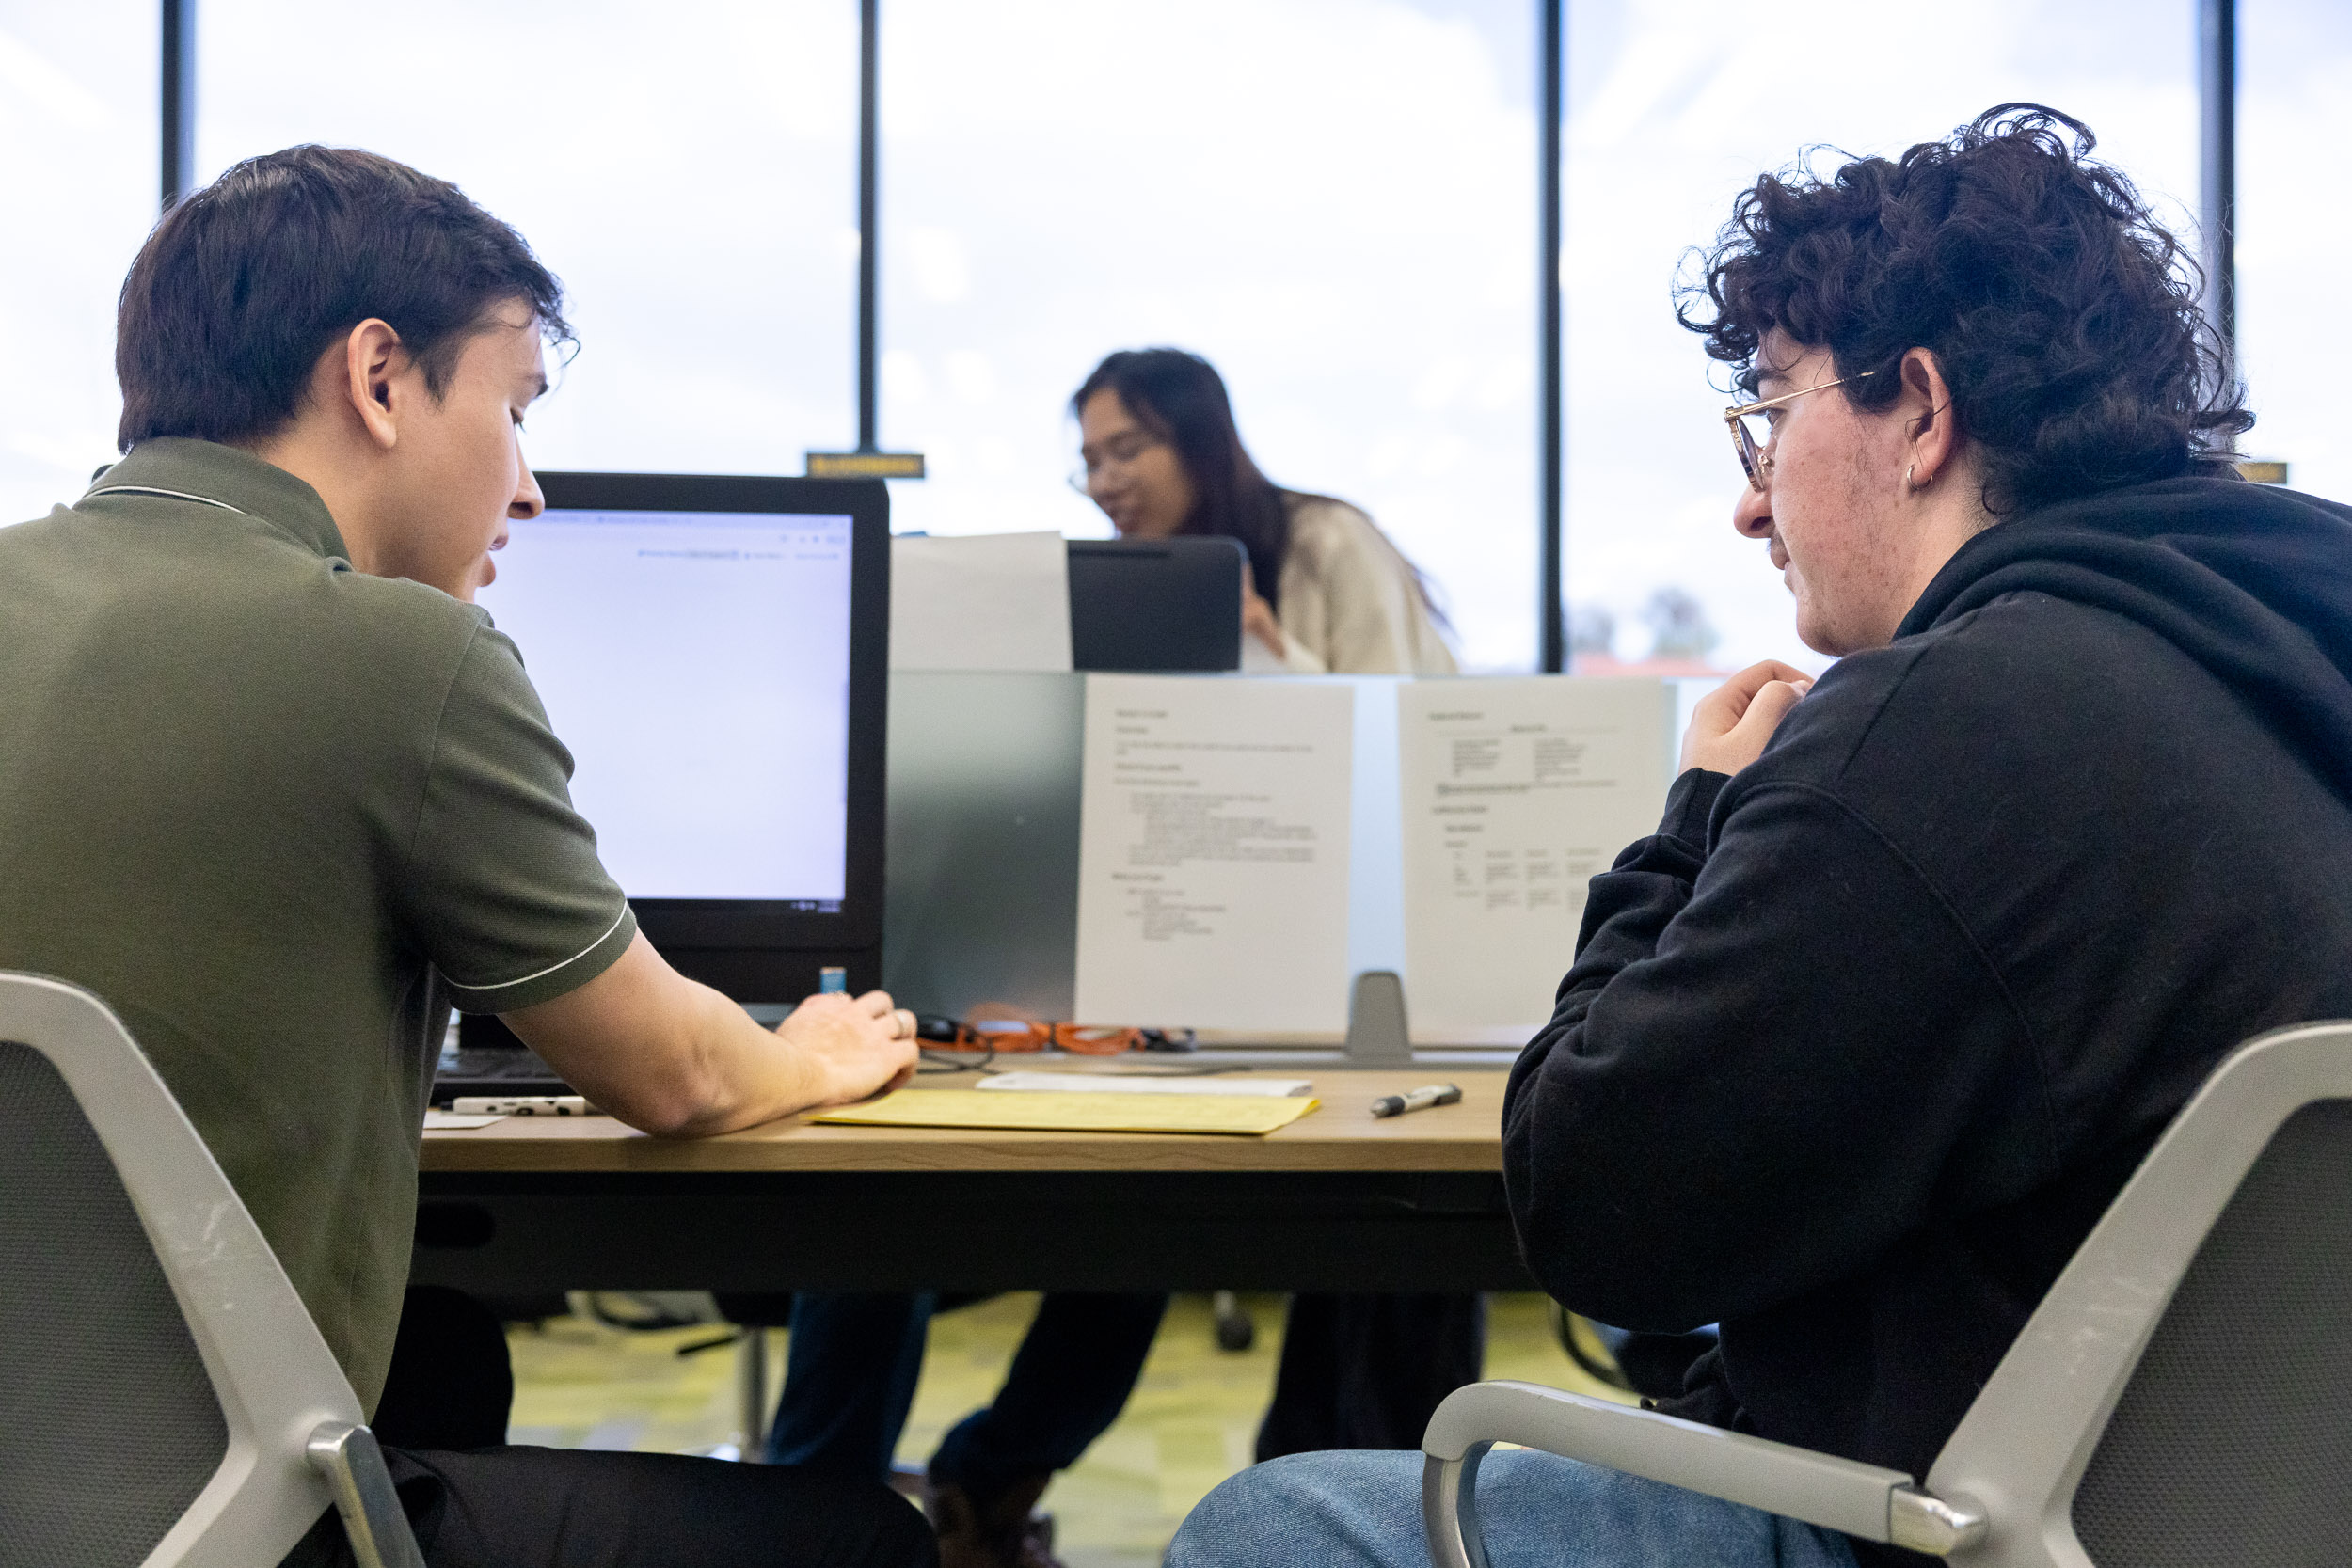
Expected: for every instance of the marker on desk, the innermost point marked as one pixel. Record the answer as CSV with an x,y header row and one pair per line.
x,y
1416,1099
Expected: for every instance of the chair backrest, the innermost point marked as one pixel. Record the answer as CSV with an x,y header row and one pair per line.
x,y
2182,1396
159,1376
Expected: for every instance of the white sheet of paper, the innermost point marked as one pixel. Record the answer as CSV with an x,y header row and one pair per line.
x,y
1515,792
1212,854
449,1122
1259,659
1125,1082
982,601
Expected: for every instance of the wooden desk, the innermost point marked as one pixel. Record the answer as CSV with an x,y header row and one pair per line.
x,y
1337,1200
1340,1134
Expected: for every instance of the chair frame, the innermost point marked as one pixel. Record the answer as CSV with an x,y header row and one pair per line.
x,y
297,1439
2001,1492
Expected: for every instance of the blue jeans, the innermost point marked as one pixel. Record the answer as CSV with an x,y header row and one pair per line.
x,y
1363,1510
850,1371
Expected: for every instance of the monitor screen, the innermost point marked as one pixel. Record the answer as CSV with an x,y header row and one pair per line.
x,y
698,666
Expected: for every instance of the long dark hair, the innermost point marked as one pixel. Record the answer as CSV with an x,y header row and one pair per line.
x,y
1180,397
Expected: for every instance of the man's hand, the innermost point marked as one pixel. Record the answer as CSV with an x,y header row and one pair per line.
x,y
676,1058
851,1046
1730,725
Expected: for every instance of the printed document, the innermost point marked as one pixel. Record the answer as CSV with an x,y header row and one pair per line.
x,y
1515,792
1238,1114
1120,1083
982,601
1212,854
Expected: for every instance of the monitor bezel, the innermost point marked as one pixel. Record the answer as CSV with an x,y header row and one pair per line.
x,y
747,925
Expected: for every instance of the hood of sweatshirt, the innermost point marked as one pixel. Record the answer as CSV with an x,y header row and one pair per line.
x,y
2251,581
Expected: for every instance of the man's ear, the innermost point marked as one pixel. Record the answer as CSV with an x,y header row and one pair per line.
x,y
1929,420
373,362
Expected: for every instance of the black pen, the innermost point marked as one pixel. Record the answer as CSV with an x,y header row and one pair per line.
x,y
1416,1099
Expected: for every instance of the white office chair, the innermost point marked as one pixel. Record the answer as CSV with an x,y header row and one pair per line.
x,y
167,1400
2182,1397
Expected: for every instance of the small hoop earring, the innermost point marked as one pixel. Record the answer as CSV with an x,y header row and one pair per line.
x,y
1910,484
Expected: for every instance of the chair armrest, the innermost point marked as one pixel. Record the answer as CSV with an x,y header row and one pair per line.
x,y
378,1532
1862,1500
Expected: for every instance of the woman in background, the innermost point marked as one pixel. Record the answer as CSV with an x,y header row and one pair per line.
x,y
1327,591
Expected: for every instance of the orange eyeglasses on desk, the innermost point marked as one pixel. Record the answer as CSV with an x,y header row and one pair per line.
x,y
1002,1027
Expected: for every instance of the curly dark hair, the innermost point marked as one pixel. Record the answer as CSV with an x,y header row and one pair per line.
x,y
2064,317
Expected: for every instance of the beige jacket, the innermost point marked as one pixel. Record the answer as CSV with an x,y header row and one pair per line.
x,y
1350,604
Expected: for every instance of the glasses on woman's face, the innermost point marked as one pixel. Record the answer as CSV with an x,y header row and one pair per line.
x,y
1755,424
1116,456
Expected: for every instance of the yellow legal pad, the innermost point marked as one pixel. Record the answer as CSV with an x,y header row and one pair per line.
x,y
1247,1114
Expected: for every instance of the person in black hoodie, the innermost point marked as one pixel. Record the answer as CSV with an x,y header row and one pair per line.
x,y
1924,955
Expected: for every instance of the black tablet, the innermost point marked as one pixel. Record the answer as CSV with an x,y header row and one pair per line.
x,y
1156,604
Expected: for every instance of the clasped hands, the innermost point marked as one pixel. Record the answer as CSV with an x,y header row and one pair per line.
x,y
1731,723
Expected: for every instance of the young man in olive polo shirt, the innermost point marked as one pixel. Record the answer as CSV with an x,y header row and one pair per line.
x,y
276,790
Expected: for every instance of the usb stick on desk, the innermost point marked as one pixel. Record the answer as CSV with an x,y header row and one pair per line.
x,y
523,1105
1416,1099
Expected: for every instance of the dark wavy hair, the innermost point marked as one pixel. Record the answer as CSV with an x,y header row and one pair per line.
x,y
2064,317
1180,397
242,285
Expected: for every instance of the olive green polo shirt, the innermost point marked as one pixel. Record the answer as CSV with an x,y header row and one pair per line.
x,y
279,815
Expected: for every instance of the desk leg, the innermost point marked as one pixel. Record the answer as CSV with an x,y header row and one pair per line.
x,y
751,1391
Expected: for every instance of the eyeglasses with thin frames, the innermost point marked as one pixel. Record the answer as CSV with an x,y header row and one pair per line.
x,y
1123,451
1754,447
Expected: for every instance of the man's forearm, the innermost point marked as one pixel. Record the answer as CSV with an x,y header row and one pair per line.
x,y
734,1073
1627,905
1735,1059
665,1054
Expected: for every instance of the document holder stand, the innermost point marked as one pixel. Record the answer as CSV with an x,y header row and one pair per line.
x,y
1377,1032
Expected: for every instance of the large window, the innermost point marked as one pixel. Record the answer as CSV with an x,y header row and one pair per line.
x,y
689,171
1672,111
79,164
2294,232
1331,200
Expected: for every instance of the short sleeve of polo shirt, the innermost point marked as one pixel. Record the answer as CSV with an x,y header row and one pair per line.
x,y
510,902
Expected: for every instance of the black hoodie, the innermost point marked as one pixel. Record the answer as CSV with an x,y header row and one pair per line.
x,y
1857,1049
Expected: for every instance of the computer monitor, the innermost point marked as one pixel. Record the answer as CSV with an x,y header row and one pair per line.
x,y
1156,604
713,650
